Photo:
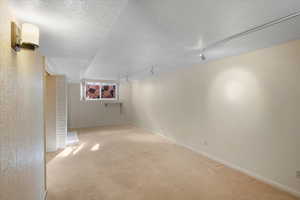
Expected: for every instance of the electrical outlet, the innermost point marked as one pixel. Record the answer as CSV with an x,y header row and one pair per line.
x,y
298,174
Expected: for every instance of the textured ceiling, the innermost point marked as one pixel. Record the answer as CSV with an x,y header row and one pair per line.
x,y
71,30
108,39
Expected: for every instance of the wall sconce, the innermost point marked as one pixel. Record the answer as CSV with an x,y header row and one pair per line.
x,y
30,36
27,38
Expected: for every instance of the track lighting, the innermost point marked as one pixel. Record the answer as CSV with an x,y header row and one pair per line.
x,y
152,70
202,56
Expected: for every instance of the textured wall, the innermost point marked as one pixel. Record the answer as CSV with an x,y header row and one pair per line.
x,y
93,113
244,110
21,119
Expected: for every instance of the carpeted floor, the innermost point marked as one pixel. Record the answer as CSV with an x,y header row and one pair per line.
x,y
126,163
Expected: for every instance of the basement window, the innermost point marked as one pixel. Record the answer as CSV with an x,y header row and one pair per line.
x,y
99,90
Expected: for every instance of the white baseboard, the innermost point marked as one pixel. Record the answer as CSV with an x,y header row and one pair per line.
x,y
245,171
99,124
51,149
232,166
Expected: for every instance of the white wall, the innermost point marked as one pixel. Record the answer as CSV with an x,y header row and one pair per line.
x,y
21,119
56,112
243,110
93,113
61,110
50,113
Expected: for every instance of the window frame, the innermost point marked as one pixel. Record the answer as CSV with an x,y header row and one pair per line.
x,y
83,91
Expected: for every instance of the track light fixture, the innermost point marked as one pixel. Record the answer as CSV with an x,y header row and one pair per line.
x,y
202,56
152,70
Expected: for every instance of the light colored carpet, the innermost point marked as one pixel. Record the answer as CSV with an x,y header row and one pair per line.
x,y
126,163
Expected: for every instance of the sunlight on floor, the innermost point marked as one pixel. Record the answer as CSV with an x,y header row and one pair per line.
x,y
95,147
78,149
70,150
108,161
66,152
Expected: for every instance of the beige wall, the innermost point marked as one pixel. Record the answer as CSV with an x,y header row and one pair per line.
x,y
93,113
50,113
243,111
21,119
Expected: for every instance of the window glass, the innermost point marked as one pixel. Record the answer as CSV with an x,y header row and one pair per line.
x,y
108,91
92,91
99,91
